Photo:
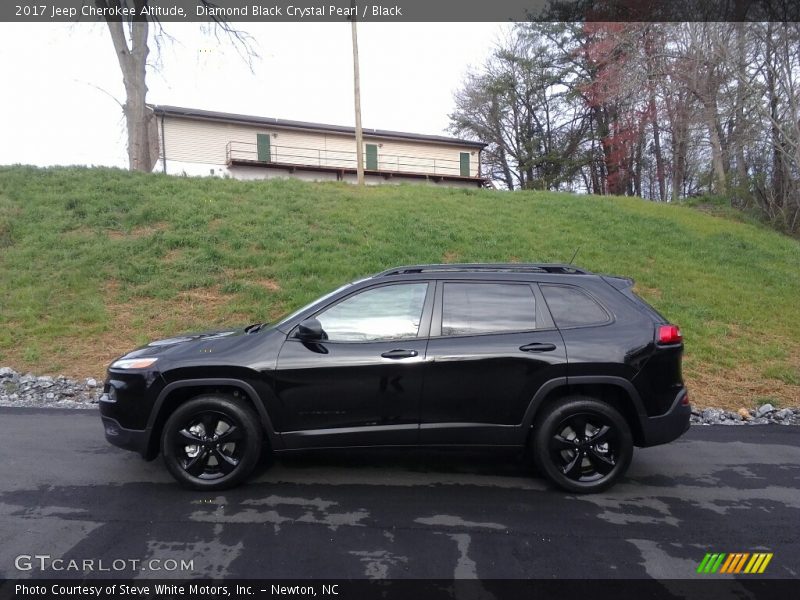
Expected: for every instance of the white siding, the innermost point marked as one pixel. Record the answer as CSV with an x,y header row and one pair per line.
x,y
194,141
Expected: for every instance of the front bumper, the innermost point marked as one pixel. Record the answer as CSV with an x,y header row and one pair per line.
x,y
669,426
129,439
125,408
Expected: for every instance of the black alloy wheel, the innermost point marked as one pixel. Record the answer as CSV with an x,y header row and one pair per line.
x,y
211,442
583,445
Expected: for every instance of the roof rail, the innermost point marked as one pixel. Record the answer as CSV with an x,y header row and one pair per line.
x,y
487,267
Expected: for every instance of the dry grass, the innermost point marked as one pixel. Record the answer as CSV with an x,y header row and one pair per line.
x,y
745,385
137,232
270,284
450,257
647,292
132,322
739,388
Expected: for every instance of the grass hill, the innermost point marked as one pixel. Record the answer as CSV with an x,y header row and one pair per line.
x,y
96,261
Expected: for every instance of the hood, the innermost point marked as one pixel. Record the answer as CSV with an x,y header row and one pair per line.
x,y
200,343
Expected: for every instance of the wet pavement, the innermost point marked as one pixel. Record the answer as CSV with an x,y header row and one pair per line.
x,y
68,495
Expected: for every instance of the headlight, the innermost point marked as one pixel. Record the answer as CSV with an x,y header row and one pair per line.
x,y
133,363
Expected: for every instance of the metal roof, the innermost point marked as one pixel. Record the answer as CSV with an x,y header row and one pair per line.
x,y
210,115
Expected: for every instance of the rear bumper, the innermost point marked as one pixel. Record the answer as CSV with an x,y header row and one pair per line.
x,y
669,426
129,439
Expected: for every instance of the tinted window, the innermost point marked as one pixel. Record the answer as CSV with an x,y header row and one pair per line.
x,y
386,313
572,307
470,308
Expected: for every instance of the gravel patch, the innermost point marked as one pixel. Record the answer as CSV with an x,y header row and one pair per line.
x,y
763,415
17,389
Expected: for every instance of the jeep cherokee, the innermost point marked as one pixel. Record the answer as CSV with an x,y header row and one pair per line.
x,y
568,364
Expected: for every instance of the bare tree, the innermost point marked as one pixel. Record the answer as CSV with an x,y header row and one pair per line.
x,y
657,110
131,37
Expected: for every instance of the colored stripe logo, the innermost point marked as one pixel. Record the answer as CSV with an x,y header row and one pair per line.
x,y
735,563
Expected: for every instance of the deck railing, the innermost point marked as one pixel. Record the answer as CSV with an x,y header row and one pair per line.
x,y
341,159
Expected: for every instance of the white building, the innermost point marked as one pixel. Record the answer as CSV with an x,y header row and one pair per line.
x,y
200,142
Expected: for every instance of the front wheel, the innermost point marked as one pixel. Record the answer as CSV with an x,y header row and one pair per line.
x,y
211,442
583,445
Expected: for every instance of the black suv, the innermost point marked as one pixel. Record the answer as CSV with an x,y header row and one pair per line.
x,y
568,364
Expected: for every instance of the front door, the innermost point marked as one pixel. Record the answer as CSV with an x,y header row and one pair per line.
x,y
361,385
492,346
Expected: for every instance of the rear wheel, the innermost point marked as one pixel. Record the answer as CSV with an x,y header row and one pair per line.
x,y
583,445
211,442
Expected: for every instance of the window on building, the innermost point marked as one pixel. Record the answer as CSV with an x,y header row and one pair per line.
x,y
263,147
372,157
465,168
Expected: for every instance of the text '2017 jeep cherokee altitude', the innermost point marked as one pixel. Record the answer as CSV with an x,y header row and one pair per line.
x,y
570,364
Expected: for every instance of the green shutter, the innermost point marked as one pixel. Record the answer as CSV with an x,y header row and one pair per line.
x,y
263,147
465,164
372,157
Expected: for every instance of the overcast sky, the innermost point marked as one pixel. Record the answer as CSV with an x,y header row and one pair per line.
x,y
60,81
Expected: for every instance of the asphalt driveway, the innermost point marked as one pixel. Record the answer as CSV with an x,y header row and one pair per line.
x,y
66,494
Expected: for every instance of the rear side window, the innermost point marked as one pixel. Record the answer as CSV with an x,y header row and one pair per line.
x,y
475,308
572,307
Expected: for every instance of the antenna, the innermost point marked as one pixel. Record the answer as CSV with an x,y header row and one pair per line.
x,y
574,254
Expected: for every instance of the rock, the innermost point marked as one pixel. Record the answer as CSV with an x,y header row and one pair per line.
x,y
91,382
711,415
30,390
44,382
783,414
744,414
764,410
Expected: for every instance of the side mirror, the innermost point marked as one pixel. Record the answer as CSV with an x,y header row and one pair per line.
x,y
310,330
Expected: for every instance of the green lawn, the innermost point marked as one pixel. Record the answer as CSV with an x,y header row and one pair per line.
x,y
94,261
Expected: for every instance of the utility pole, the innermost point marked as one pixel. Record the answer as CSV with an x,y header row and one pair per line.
x,y
357,94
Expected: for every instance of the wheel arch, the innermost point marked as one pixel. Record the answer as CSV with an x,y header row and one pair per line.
x,y
178,392
615,391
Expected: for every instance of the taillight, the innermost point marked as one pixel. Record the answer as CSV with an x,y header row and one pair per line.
x,y
685,399
669,334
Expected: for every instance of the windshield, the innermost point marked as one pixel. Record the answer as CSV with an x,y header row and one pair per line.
x,y
320,300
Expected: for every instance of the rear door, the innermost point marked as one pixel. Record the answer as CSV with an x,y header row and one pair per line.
x,y
492,345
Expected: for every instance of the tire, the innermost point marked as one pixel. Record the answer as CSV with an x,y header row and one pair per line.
x,y
582,462
217,460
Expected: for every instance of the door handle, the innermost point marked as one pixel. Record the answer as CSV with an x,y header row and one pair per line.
x,y
399,354
538,347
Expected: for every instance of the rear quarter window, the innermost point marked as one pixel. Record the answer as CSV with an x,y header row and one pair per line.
x,y
572,307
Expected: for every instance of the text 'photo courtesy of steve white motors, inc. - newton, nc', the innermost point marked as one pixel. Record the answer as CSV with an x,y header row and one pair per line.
x,y
201,10
172,590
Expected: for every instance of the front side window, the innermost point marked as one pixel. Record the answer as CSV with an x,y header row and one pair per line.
x,y
475,308
391,312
